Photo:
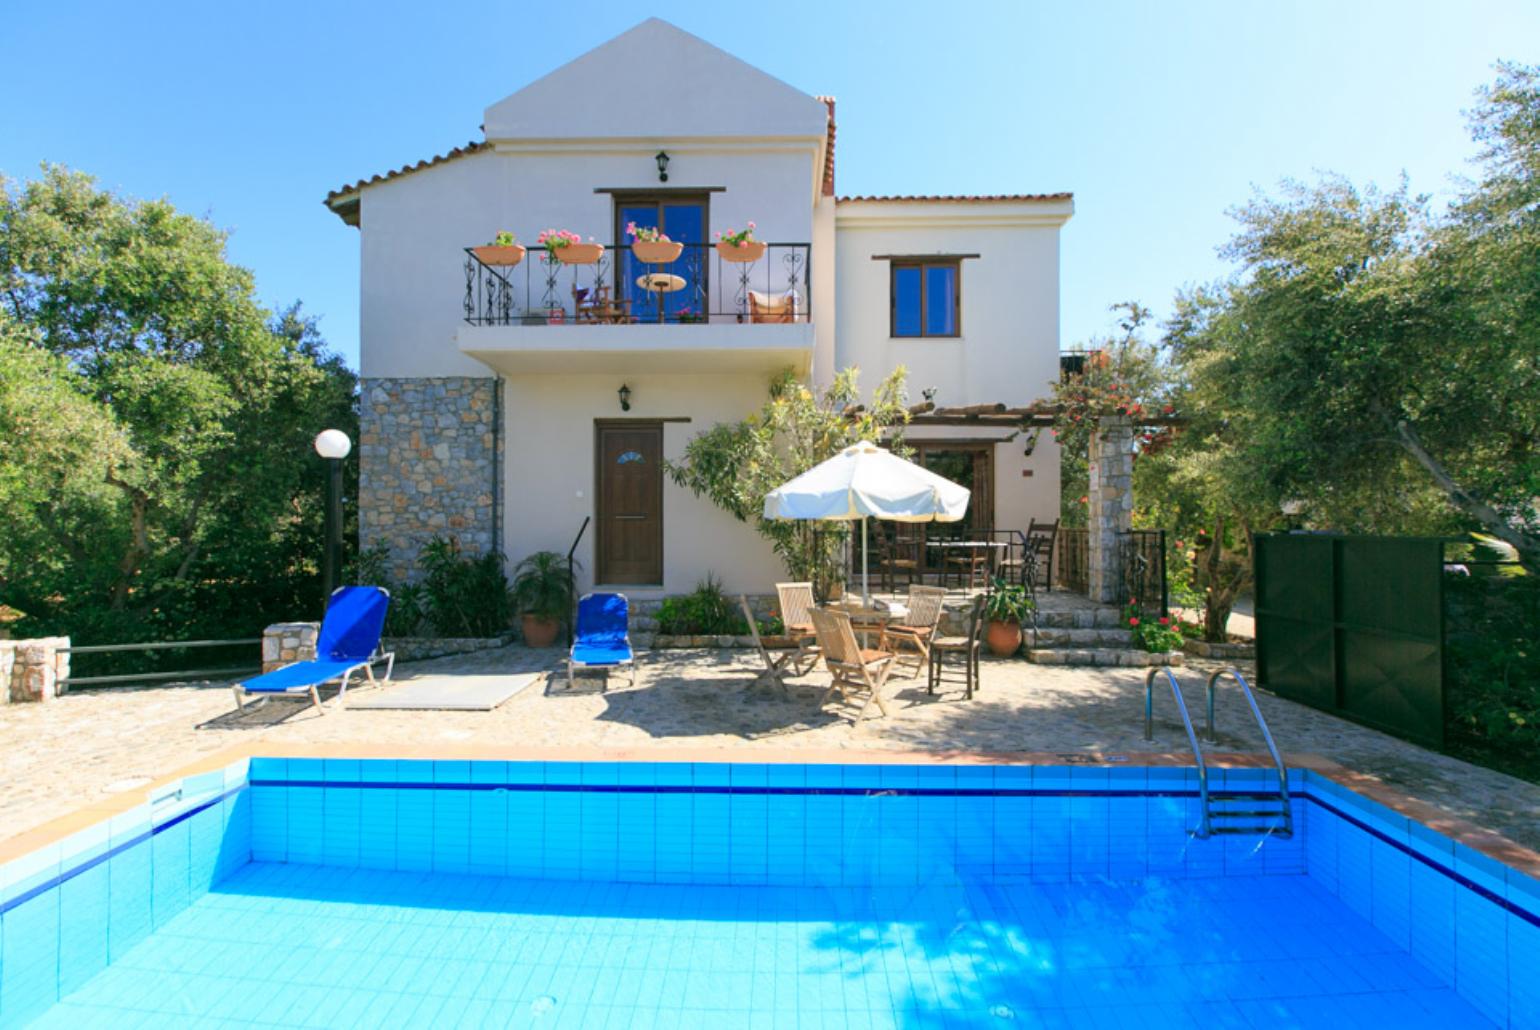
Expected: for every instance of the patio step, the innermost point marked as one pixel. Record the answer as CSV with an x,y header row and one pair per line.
x,y
1077,637
1105,657
1080,618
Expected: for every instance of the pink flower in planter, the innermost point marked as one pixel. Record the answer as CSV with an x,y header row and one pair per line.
x,y
1133,620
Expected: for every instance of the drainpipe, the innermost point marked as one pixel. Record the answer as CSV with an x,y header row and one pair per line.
x,y
497,464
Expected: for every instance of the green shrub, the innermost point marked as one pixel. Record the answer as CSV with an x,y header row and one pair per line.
x,y
1492,662
465,597
705,612
370,568
1008,602
1157,634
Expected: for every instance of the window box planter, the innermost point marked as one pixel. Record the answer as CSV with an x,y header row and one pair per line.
x,y
505,257
579,253
751,251
659,252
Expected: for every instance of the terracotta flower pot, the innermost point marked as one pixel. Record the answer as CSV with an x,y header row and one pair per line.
x,y
505,256
1003,638
660,252
753,250
579,253
540,632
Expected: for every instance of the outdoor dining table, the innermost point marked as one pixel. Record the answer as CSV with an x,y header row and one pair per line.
x,y
866,618
973,547
660,283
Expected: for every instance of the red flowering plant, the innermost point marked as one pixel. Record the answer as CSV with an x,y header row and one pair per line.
x,y
1118,376
1154,633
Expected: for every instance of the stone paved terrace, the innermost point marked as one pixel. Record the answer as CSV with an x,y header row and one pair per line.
x,y
64,755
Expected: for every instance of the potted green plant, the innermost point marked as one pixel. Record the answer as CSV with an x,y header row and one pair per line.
x,y
542,593
651,246
739,245
504,250
569,248
1006,607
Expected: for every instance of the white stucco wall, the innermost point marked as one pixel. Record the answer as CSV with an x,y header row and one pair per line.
x,y
414,228
550,473
1008,350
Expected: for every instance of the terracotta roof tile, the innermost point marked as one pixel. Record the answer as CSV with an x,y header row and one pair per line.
x,y
470,148
960,198
828,160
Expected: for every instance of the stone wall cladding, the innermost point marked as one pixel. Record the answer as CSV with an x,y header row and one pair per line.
x,y
1111,500
429,449
34,670
285,643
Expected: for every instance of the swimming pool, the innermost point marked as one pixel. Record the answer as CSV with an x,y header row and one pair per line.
x,y
344,892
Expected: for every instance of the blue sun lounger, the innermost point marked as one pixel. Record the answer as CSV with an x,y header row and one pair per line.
x,y
603,638
349,641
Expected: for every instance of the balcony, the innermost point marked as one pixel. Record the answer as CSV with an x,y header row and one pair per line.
x,y
699,313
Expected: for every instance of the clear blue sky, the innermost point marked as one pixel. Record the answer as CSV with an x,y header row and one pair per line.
x,y
1158,116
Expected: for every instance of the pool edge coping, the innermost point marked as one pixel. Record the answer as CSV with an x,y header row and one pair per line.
x,y
1478,838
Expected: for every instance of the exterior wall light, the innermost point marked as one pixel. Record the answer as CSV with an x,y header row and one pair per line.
x,y
662,160
625,397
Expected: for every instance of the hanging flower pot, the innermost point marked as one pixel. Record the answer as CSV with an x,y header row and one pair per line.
x,y
657,252
741,253
504,250
579,253
569,248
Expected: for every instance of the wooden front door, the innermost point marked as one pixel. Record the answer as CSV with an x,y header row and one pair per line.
x,y
630,502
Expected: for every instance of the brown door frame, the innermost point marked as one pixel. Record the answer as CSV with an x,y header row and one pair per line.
x,y
601,424
975,446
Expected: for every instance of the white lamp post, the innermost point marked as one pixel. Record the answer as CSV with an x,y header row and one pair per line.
x,y
333,445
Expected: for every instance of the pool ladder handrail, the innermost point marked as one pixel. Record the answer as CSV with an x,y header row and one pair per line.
x,y
1267,738
1204,827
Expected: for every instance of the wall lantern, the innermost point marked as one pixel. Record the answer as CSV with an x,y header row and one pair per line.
x,y
662,160
625,397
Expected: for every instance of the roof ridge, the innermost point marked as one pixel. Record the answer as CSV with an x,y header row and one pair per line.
x,y
961,197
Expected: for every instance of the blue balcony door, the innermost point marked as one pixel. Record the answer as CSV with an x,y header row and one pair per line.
x,y
683,220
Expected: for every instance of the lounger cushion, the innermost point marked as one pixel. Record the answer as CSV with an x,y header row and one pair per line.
x,y
602,651
299,676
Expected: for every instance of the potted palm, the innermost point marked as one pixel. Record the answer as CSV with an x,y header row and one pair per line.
x,y
1006,607
739,245
651,246
542,593
504,250
569,248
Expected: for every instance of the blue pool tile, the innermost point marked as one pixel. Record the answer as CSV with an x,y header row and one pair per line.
x,y
415,770
1481,955
341,770
378,770
269,768
305,769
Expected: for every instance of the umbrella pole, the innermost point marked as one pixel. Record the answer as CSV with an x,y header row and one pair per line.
x,y
866,585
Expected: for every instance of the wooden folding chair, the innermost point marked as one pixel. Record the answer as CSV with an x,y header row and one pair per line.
x,y
796,605
965,649
855,669
910,640
776,666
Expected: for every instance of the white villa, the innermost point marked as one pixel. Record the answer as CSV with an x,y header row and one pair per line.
x,y
502,405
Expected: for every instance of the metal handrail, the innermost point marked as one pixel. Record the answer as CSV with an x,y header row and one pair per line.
x,y
1267,736
571,577
1192,736
104,648
154,677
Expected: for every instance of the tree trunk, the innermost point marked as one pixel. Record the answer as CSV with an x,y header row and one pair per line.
x,y
1525,543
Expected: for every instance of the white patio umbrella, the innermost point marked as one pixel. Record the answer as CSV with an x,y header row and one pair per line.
x,y
864,481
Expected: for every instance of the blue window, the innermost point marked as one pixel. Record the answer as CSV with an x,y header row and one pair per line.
x,y
927,298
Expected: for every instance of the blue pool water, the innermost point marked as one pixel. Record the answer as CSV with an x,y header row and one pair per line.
x,y
311,893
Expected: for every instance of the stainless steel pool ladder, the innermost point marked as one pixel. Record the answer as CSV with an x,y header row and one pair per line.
x,y
1215,819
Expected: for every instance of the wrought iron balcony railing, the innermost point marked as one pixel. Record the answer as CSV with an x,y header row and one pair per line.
x,y
698,287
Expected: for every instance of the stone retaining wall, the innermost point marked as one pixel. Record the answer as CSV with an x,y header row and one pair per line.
x,y
33,670
429,465
288,642
1231,650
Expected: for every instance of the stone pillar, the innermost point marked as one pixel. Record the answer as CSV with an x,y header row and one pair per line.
x,y
429,465
1111,505
33,670
286,642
